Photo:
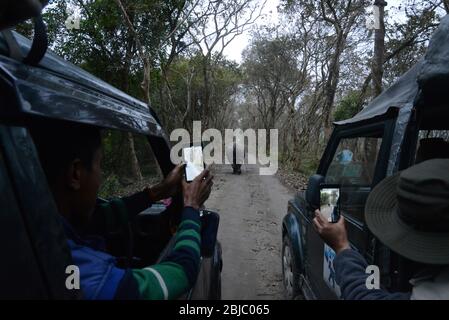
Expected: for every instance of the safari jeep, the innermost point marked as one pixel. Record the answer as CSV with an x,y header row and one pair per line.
x,y
38,86
405,125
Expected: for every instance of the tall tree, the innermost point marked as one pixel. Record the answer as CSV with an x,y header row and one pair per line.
x,y
339,19
118,42
274,76
223,21
379,47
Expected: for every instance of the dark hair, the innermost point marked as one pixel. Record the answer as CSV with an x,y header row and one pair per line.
x,y
59,143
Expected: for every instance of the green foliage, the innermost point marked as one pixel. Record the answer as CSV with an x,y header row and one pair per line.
x,y
109,187
348,106
105,45
186,79
309,165
25,29
286,67
306,166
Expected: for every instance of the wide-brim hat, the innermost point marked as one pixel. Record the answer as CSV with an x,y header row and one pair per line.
x,y
409,212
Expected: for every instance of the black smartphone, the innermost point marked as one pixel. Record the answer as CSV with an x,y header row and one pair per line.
x,y
194,160
330,202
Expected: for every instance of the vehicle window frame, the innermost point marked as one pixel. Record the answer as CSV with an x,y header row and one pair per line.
x,y
51,259
35,279
162,144
161,151
385,130
411,139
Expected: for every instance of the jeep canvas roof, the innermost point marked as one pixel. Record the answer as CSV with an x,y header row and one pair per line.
x,y
57,89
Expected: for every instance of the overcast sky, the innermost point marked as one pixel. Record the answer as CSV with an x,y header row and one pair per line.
x,y
270,16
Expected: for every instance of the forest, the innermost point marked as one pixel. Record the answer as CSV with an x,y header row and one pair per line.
x,y
318,64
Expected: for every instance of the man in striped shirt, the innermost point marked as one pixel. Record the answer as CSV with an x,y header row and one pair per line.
x,y
71,160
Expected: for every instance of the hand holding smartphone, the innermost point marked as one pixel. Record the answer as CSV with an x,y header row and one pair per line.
x,y
330,202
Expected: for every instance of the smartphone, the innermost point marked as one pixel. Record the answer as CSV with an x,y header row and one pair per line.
x,y
194,160
330,202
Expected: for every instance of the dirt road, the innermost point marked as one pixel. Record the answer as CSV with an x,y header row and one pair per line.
x,y
251,209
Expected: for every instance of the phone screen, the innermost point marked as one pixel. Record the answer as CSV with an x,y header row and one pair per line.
x,y
193,157
330,203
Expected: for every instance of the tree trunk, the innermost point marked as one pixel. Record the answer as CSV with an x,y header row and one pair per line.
x,y
206,93
377,70
331,85
130,164
146,83
129,168
188,111
134,163
379,49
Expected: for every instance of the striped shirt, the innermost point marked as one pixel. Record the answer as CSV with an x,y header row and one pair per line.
x,y
100,276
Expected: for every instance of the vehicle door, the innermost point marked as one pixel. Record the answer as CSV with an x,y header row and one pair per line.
x,y
356,159
32,244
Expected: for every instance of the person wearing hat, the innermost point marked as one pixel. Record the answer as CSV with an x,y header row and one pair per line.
x,y
409,213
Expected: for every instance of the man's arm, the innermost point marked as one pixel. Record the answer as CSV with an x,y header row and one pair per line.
x,y
103,279
349,265
350,268
116,213
176,273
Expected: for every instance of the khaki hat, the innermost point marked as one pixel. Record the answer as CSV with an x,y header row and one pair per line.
x,y
409,212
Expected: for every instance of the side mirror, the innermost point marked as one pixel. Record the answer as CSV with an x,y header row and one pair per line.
x,y
313,191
